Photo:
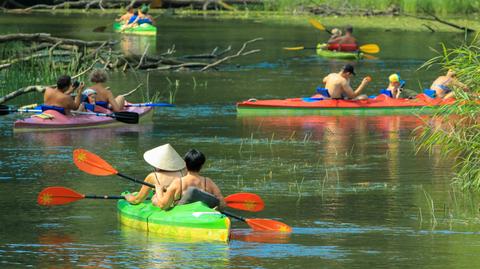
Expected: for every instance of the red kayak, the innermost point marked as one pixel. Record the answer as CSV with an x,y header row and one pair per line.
x,y
380,105
51,120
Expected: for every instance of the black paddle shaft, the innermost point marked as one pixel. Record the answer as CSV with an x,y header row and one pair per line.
x,y
228,214
113,197
136,180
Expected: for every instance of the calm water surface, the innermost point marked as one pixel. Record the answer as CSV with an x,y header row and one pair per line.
x,y
352,188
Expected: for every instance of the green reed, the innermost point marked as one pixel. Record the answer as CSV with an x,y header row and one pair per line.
x,y
35,71
456,128
459,7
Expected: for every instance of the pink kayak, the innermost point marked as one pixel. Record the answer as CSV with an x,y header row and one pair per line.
x,y
51,120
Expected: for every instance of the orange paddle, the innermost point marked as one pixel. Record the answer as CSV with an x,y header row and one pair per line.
x,y
60,195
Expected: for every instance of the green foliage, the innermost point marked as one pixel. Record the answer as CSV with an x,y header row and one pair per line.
x,y
456,128
444,7
35,71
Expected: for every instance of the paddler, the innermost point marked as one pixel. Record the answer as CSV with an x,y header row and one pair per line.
x,y
126,17
346,42
104,97
59,98
395,85
168,167
191,188
338,85
139,17
443,85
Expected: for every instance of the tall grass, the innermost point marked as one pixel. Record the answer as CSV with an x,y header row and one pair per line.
x,y
459,7
36,71
456,128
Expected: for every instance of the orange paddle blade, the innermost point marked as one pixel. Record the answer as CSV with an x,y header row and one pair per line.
x,y
92,164
58,196
245,201
370,57
268,225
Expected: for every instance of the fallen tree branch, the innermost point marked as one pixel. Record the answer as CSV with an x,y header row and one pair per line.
x,y
47,38
433,17
238,54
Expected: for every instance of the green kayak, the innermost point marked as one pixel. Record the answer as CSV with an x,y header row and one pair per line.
x,y
142,29
338,54
193,221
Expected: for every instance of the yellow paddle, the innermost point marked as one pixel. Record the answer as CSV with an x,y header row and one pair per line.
x,y
318,25
367,48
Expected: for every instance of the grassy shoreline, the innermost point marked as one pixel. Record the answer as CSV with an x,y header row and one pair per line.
x,y
387,23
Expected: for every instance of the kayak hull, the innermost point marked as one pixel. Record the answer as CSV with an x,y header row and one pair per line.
x,y
381,105
194,221
72,122
143,29
343,55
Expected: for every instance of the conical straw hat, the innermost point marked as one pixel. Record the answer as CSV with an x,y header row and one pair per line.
x,y
164,158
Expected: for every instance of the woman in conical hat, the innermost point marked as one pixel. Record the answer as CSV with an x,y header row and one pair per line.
x,y
191,188
168,166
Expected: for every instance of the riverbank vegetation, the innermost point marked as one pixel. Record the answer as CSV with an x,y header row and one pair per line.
x,y
327,7
456,129
31,62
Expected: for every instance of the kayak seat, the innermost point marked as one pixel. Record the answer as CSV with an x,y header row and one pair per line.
x,y
322,91
56,108
430,93
386,92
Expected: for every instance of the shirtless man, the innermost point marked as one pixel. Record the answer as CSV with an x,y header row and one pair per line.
x,y
104,96
60,96
345,39
442,85
126,17
338,84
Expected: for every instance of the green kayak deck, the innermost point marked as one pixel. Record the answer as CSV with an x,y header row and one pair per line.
x,y
194,221
142,29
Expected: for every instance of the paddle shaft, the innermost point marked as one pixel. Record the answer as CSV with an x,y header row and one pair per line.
x,y
228,214
113,197
136,180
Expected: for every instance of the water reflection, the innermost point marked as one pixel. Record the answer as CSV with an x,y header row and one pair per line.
x,y
156,251
132,45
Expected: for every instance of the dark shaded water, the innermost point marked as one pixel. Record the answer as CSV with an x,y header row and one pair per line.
x,y
352,188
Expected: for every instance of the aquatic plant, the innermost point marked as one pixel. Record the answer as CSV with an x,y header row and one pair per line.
x,y
456,128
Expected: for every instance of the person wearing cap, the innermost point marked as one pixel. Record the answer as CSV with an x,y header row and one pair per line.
x,y
191,188
104,97
59,98
348,39
443,85
168,167
338,84
395,85
88,100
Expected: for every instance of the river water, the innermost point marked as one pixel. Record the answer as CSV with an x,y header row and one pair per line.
x,y
353,188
